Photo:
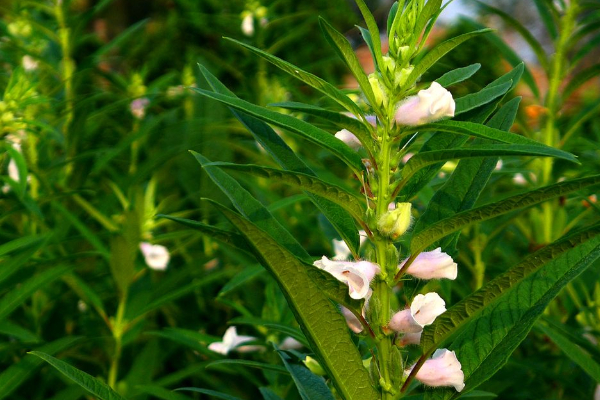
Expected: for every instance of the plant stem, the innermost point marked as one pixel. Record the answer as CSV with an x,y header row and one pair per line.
x,y
68,69
117,331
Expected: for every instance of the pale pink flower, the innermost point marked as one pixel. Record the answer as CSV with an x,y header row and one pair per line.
x,y
232,341
422,312
357,275
341,250
156,256
349,138
432,265
351,320
410,338
427,106
289,343
443,369
138,107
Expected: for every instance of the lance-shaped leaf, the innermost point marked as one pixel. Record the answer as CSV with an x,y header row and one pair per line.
x,y
442,228
421,160
484,96
501,314
310,386
322,324
295,125
305,182
458,75
319,84
288,160
373,30
86,381
438,52
343,48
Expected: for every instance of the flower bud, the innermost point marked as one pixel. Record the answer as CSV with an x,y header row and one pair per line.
x,y
427,106
314,366
432,265
378,91
401,76
443,369
423,311
396,222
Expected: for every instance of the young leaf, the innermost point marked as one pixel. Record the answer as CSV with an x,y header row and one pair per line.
x,y
308,131
373,30
251,364
322,324
310,386
484,96
310,79
440,229
458,75
86,381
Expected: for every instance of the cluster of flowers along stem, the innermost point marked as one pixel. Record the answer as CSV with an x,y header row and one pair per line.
x,y
368,279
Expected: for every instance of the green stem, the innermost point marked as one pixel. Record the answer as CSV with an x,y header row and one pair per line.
x,y
68,69
118,329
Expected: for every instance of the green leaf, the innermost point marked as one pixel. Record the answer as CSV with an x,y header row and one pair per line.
x,y
310,79
268,394
129,33
502,313
484,96
88,382
373,30
302,128
440,229
343,48
421,160
252,364
161,392
308,183
240,279
20,294
391,17
458,75
367,38
579,79
286,158
212,393
27,245
192,339
578,355
322,324
9,329
310,386
546,15
284,329
438,52
18,372
19,159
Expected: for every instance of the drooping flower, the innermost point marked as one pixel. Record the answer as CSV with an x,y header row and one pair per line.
x,y
232,341
443,369
432,265
351,320
357,275
422,312
427,106
156,256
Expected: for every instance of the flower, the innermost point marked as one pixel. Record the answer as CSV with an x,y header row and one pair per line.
x,y
138,107
247,23
156,256
410,338
351,320
427,106
423,311
443,369
350,138
289,343
29,63
396,222
342,251
432,265
231,341
357,275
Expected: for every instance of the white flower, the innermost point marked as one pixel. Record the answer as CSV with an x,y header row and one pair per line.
x,y
156,256
289,343
351,320
427,106
423,311
357,275
341,250
350,138
29,63
231,341
248,24
443,369
432,265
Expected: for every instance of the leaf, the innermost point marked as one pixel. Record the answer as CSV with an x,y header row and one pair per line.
x,y
88,382
192,339
123,37
438,52
284,329
19,295
322,324
9,329
484,96
458,75
286,158
268,394
18,372
509,306
537,48
161,392
242,278
571,350
440,229
308,131
546,15
579,79
305,182
252,364
28,246
212,393
343,48
310,386
373,30
315,82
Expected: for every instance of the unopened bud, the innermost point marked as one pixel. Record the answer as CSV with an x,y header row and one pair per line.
x,y
401,76
396,222
314,366
378,91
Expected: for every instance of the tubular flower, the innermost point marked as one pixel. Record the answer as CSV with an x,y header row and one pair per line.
x,y
423,311
432,265
156,256
357,275
231,341
443,369
427,106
